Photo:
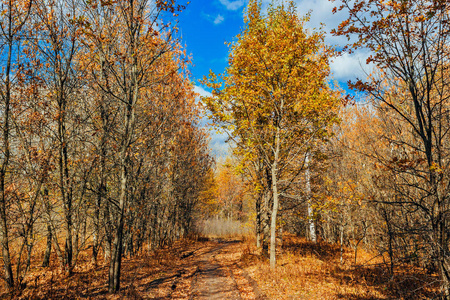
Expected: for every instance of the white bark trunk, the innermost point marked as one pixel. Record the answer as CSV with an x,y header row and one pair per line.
x,y
312,227
273,220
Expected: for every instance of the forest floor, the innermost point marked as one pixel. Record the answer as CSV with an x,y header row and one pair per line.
x,y
219,268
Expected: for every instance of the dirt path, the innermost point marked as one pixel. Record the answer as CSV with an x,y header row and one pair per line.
x,y
211,272
212,280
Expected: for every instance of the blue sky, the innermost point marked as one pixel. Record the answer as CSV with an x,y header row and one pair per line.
x,y
206,25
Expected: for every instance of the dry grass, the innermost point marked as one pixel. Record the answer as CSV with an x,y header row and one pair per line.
x,y
223,228
313,271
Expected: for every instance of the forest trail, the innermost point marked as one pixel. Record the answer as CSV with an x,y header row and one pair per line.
x,y
213,280
188,270
210,271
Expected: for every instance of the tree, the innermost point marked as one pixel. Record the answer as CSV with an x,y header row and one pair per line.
x,y
56,41
126,46
230,191
13,19
346,189
273,98
409,43
101,144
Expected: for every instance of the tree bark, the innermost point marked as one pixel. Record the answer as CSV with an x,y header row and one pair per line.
x,y
6,155
311,225
48,249
258,220
273,219
101,191
116,257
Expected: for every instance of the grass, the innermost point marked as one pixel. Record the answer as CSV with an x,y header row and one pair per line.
x,y
313,271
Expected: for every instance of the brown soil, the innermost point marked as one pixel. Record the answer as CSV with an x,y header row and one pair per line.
x,y
213,280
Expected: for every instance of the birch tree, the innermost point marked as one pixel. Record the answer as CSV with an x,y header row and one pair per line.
x,y
273,97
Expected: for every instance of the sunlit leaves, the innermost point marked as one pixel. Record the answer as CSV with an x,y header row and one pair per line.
x,y
276,78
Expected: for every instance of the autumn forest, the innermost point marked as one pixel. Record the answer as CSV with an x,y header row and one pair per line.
x,y
109,188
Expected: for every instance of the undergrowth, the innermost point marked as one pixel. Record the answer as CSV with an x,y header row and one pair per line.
x,y
307,270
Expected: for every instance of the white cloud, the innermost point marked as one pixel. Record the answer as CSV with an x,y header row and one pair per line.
x,y
216,20
218,144
233,5
219,148
350,66
201,91
321,13
219,19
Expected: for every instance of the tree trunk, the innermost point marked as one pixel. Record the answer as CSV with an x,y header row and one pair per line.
x,y
265,223
443,259
116,255
48,249
63,162
273,219
444,269
258,220
312,227
101,192
4,235
4,238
